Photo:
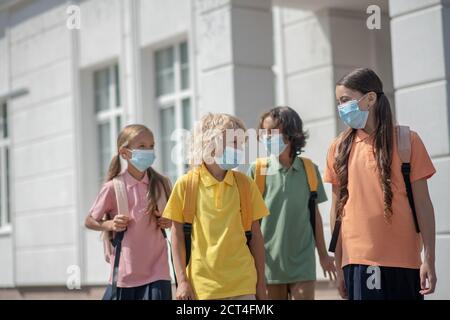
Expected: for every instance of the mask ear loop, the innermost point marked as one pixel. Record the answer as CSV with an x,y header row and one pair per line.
x,y
365,95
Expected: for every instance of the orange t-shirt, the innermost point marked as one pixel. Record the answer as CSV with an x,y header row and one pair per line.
x,y
367,238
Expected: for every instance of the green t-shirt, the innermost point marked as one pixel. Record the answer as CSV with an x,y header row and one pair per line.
x,y
288,236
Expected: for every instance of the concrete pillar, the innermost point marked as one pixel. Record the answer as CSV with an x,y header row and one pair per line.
x,y
421,64
130,62
234,57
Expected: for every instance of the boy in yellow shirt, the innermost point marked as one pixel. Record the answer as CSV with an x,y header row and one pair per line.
x,y
225,260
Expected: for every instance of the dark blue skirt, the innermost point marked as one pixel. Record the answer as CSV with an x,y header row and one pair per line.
x,y
382,283
158,290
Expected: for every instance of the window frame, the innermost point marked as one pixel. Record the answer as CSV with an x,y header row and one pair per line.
x,y
5,176
176,98
115,111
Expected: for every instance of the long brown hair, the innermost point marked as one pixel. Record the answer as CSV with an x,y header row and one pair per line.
x,y
364,81
156,180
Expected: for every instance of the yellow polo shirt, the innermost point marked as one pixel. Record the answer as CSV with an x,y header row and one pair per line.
x,y
221,264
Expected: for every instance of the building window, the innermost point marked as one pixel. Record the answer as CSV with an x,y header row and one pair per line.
x,y
109,114
174,99
5,212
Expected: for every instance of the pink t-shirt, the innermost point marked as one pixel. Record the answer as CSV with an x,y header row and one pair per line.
x,y
144,250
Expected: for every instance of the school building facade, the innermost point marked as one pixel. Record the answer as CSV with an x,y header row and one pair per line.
x,y
72,73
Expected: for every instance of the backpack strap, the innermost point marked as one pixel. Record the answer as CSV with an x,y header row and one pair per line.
x,y
189,208
404,152
260,173
403,135
190,196
122,208
313,185
167,195
243,185
190,201
337,222
404,143
121,195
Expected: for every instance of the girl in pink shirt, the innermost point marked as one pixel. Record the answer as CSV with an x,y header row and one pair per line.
x,y
143,272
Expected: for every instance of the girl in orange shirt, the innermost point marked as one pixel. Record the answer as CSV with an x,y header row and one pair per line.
x,y
378,247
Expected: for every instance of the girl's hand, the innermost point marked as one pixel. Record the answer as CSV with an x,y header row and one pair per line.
x,y
328,266
163,223
184,291
119,223
341,284
427,277
261,291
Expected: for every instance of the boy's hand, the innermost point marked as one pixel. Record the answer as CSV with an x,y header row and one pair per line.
x,y
118,224
163,223
261,291
427,274
184,291
328,266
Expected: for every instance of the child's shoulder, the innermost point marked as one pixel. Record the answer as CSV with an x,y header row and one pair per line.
x,y
264,160
182,181
302,158
414,136
107,191
242,174
108,185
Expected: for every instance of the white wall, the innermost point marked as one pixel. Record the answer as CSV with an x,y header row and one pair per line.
x,y
6,244
42,152
161,20
100,31
423,99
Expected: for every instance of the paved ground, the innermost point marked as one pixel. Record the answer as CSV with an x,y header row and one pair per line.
x,y
324,292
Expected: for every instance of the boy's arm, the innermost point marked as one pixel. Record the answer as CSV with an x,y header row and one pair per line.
x,y
326,261
184,290
257,249
320,238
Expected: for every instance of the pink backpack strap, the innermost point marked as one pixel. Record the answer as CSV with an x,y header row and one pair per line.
x,y
121,196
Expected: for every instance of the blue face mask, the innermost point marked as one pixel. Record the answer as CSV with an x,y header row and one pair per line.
x,y
142,159
230,159
352,115
274,144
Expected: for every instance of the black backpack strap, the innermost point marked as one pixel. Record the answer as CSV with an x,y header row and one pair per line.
x,y
312,211
335,236
117,244
406,173
171,257
404,151
166,193
187,230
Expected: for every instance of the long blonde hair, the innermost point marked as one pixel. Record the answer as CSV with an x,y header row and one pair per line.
x,y
207,134
156,180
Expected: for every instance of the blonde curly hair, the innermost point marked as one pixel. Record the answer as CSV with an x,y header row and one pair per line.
x,y
207,136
